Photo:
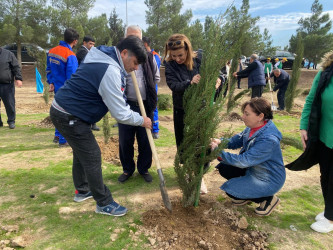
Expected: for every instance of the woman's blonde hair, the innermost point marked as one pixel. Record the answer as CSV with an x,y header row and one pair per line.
x,y
178,41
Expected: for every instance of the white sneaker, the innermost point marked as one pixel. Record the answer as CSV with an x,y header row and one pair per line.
x,y
322,226
320,216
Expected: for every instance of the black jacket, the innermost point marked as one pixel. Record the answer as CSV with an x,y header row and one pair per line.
x,y
81,54
310,156
178,78
9,67
282,81
151,95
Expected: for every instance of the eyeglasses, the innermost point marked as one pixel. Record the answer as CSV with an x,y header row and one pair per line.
x,y
175,43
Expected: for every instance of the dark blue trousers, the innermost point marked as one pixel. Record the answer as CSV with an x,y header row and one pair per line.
x,y
280,96
127,135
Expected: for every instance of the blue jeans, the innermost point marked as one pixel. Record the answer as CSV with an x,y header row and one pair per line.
x,y
229,172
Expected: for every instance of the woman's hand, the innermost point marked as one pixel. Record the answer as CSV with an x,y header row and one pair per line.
x,y
304,137
214,143
218,83
196,79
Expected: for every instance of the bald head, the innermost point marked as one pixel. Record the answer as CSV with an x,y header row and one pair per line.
x,y
253,57
133,30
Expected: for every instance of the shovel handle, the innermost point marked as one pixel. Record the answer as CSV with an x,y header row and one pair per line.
x,y
269,80
143,113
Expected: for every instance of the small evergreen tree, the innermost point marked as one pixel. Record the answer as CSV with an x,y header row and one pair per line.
x,y
106,128
201,120
291,92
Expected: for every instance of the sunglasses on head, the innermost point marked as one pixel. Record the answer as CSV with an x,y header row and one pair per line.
x,y
175,43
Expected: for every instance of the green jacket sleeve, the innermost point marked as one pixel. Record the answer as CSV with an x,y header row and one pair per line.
x,y
308,103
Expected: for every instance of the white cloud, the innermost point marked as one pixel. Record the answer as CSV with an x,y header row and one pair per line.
x,y
284,22
135,10
262,6
197,5
277,23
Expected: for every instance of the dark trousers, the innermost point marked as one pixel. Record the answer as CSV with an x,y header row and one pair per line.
x,y
7,95
127,135
326,178
178,123
228,172
257,91
280,96
87,171
238,82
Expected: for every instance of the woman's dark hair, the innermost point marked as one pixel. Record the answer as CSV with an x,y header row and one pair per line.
x,y
258,106
70,35
135,46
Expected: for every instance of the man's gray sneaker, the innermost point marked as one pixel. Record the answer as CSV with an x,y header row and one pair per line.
x,y
11,125
82,197
113,209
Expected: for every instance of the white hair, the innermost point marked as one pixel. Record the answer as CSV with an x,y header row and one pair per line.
x,y
254,56
133,27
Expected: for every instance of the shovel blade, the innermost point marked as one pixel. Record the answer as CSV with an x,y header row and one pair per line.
x,y
165,196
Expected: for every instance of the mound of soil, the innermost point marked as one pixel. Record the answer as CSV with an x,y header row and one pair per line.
x,y
212,225
110,151
47,123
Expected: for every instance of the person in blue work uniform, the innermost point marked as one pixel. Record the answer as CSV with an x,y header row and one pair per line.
x,y
61,64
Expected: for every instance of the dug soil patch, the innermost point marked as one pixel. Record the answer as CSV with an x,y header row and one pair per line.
x,y
212,225
110,150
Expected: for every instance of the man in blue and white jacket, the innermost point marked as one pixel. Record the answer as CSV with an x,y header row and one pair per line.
x,y
96,88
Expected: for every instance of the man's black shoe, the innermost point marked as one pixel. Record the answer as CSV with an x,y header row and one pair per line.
x,y
95,127
11,125
147,177
124,177
56,139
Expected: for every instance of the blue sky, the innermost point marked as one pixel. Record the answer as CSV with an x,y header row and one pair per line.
x,y
280,17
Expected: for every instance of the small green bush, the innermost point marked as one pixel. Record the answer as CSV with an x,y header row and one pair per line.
x,y
164,102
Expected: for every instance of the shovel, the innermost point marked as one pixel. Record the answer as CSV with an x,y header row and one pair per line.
x,y
164,192
270,90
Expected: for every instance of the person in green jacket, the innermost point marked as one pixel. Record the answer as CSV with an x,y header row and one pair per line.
x,y
268,66
324,220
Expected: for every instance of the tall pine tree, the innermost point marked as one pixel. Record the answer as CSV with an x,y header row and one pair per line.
x,y
24,21
315,32
164,19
